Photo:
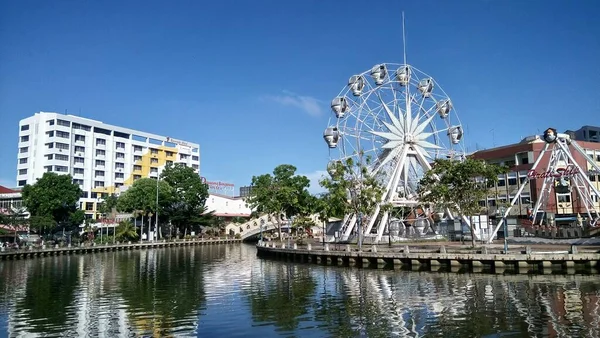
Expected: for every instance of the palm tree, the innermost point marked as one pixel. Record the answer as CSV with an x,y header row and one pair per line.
x,y
126,231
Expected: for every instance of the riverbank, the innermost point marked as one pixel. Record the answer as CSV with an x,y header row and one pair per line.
x,y
443,256
31,252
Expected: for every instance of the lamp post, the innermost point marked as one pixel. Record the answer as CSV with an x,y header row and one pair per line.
x,y
156,222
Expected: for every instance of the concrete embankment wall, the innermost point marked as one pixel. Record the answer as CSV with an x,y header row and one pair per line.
x,y
570,261
9,254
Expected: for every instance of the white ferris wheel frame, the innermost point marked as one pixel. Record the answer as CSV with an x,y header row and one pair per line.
x,y
414,148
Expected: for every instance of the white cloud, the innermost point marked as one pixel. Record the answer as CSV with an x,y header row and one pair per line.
x,y
307,104
314,178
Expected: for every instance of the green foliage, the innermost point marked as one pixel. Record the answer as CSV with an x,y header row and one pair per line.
x,y
53,197
140,198
189,196
282,193
458,185
108,206
351,189
126,231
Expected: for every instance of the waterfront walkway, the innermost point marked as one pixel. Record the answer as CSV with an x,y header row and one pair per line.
x,y
84,248
544,258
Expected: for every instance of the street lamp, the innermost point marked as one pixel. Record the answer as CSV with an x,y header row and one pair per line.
x,y
156,221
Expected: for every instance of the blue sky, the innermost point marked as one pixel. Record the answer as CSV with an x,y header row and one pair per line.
x,y
251,81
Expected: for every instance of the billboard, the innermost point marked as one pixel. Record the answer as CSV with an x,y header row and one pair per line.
x,y
220,187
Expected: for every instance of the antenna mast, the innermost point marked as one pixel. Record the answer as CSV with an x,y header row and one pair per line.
x,y
403,38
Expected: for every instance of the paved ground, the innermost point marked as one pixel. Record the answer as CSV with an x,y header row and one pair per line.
x,y
584,245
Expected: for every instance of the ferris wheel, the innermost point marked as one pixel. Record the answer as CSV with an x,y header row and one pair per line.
x,y
402,120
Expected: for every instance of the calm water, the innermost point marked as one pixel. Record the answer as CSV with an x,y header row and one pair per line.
x,y
225,291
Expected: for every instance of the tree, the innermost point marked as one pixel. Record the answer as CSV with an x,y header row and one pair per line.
x,y
351,190
459,186
279,194
141,198
53,197
108,206
13,218
189,196
126,231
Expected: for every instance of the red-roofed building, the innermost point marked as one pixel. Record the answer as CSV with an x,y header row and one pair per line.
x,y
10,200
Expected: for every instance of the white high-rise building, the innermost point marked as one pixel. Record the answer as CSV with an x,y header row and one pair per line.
x,y
103,159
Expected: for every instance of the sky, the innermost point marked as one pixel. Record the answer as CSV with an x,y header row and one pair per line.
x,y
251,81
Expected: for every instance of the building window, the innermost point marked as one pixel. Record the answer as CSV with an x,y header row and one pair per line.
x,y
22,171
25,138
169,162
137,148
153,170
120,155
153,161
50,122
78,171
169,154
62,146
50,133
62,134
50,145
23,160
100,152
183,156
194,158
512,178
99,173
153,151
79,149
137,158
63,123
78,182
100,142
525,198
77,160
564,198
81,127
137,168
137,177
119,165
22,183
593,178
195,166
79,138
24,127
501,182
100,163
61,157
119,175
61,169
23,150
120,145
89,206
98,184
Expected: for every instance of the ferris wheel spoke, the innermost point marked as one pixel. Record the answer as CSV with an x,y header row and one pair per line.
x,y
390,113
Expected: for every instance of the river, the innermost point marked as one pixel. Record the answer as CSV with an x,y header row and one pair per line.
x,y
226,291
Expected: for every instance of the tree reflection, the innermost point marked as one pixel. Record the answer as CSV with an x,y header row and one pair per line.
x,y
50,289
284,297
164,290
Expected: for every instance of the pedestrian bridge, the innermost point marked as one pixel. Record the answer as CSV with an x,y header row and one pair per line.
x,y
253,227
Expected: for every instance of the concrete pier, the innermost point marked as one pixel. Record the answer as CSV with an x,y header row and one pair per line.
x,y
85,249
443,257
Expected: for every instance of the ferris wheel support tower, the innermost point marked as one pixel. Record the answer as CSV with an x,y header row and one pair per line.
x,y
562,174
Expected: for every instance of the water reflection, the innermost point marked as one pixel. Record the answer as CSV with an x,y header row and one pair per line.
x,y
227,291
